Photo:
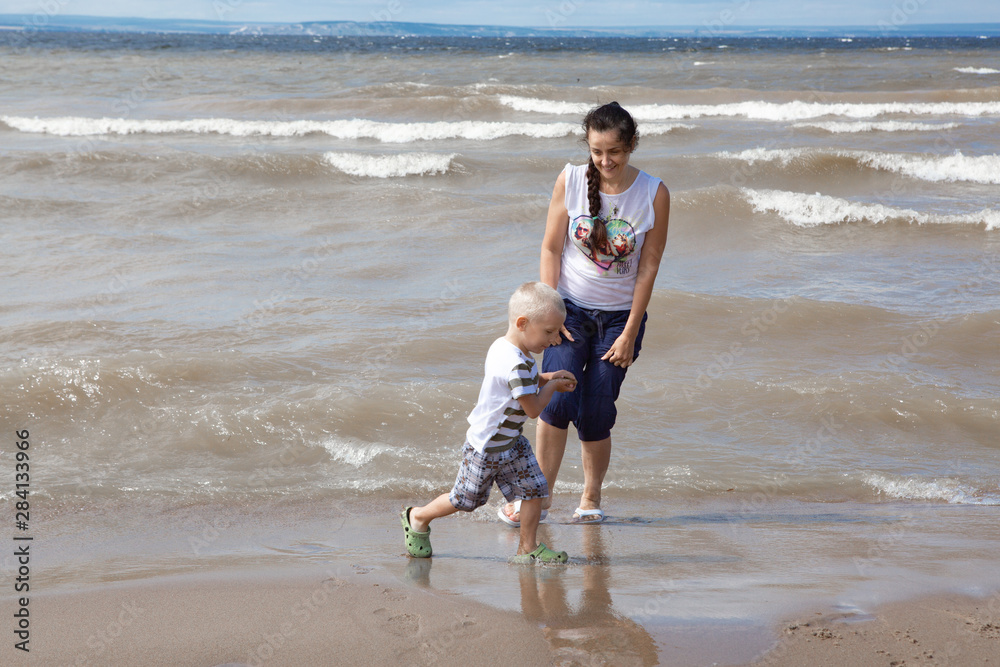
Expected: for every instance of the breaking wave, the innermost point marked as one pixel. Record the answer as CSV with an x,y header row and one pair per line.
x,y
760,110
948,168
389,166
977,70
845,127
811,210
342,129
906,488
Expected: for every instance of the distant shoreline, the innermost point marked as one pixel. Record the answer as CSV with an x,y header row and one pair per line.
x,y
43,21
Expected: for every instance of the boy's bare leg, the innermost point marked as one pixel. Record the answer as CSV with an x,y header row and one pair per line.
x,y
550,445
596,459
421,517
531,512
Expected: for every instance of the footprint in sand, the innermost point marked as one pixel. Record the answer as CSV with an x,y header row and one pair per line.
x,y
395,595
401,625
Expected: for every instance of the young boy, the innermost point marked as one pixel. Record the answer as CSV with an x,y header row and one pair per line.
x,y
495,450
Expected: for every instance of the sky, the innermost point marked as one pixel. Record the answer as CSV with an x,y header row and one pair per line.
x,y
539,13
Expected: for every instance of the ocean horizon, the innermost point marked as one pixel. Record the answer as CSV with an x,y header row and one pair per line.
x,y
897,23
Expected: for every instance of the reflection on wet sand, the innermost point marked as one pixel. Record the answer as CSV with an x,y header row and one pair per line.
x,y
592,632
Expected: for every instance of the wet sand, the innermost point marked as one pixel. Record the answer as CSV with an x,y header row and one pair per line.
x,y
327,616
685,585
936,630
351,614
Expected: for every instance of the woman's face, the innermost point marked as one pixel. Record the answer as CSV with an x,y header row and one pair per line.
x,y
609,153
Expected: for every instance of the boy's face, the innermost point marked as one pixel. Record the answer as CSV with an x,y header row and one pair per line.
x,y
541,332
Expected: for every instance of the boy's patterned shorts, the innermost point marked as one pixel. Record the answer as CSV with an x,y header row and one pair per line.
x,y
515,471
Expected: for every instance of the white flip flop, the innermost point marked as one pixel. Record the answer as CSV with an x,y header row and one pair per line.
x,y
517,510
582,514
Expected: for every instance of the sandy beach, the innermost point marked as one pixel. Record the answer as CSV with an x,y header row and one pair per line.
x,y
348,613
288,584
938,630
336,617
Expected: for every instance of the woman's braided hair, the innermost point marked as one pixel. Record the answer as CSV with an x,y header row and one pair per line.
x,y
611,116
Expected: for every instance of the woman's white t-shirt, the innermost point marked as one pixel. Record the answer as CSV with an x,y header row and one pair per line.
x,y
604,278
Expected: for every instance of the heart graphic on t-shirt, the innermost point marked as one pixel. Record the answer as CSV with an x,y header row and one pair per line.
x,y
620,243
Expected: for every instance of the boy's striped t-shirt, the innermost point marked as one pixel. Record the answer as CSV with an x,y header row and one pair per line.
x,y
498,418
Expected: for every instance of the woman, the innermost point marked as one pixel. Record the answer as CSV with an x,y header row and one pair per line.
x,y
604,237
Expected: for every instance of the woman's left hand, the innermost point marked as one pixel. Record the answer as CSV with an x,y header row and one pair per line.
x,y
621,351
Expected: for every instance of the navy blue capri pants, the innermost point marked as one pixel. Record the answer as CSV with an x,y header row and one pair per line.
x,y
591,408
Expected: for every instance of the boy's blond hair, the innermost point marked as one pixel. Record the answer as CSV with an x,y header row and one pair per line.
x,y
534,300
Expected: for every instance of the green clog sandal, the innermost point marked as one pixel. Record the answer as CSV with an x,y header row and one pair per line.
x,y
541,555
418,545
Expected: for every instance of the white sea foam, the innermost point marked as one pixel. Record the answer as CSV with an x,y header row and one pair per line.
x,y
759,110
947,168
977,70
389,166
656,129
805,210
342,129
518,103
842,127
354,453
754,155
907,488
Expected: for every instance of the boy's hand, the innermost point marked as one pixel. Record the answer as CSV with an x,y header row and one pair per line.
x,y
565,382
533,404
565,385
